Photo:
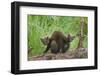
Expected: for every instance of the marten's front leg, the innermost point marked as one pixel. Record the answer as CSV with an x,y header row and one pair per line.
x,y
47,48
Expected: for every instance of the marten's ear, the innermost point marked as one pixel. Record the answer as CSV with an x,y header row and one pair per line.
x,y
47,40
47,37
69,36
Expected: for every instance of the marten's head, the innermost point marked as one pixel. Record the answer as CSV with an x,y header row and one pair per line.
x,y
70,38
45,40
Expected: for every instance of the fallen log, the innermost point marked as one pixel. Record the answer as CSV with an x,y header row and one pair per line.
x,y
71,54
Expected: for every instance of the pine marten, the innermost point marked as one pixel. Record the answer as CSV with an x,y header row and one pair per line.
x,y
57,43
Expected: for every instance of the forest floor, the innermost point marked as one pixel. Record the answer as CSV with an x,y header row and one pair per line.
x,y
71,54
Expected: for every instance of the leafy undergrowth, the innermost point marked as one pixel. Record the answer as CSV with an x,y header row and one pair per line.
x,y
72,54
40,26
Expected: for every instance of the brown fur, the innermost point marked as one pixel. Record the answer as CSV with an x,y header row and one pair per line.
x,y
59,43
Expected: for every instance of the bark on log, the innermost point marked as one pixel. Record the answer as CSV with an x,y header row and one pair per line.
x,y
72,54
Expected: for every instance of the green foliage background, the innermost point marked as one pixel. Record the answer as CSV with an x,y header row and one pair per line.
x,y
42,26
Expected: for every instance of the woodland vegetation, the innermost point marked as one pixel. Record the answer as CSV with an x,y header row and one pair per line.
x,y
40,26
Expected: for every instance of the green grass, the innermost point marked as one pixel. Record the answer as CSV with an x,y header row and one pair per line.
x,y
42,26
